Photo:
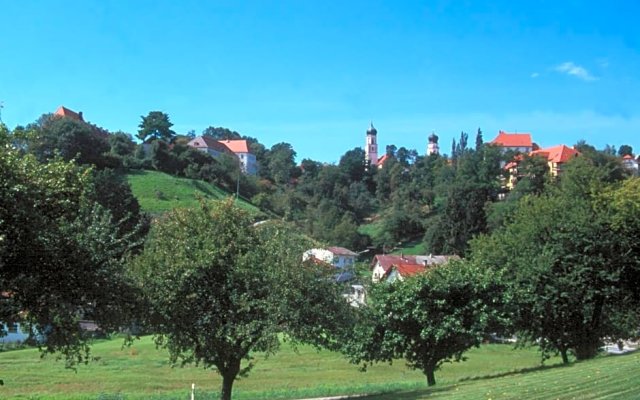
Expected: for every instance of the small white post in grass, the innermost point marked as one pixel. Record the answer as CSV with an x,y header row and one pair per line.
x,y
193,391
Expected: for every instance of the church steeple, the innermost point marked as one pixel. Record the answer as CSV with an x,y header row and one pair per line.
x,y
432,147
371,146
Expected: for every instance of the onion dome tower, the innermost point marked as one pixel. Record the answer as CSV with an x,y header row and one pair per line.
x,y
371,148
432,147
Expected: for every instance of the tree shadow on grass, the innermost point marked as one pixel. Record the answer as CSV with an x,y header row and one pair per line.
x,y
404,394
516,372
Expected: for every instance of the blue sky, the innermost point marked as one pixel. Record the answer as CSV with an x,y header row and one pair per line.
x,y
314,73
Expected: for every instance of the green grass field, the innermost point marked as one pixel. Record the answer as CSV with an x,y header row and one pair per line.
x,y
158,192
491,372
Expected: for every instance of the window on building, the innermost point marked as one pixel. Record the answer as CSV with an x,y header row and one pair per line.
x,y
12,328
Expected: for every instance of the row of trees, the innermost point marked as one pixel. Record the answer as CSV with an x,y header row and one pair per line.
x,y
561,272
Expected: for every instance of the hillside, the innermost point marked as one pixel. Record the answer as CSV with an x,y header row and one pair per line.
x,y
158,192
492,372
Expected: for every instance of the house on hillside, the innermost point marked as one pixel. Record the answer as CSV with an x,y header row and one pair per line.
x,y
516,142
65,112
556,156
382,264
399,272
238,148
209,145
338,258
630,164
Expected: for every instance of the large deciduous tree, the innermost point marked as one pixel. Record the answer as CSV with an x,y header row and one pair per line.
x,y
156,125
570,264
222,288
428,319
61,254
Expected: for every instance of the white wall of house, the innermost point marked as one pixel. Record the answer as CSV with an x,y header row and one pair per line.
x,y
378,273
338,261
15,334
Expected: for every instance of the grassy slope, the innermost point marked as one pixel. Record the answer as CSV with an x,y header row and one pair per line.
x,y
375,230
176,192
142,372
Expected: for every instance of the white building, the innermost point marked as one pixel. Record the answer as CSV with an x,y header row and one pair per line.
x,y
371,146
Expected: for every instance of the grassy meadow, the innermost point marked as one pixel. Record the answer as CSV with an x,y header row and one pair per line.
x,y
143,372
158,192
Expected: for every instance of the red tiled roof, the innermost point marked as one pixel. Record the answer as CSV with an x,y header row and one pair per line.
x,y
65,112
627,157
207,142
506,139
409,269
382,159
557,154
237,146
341,251
387,260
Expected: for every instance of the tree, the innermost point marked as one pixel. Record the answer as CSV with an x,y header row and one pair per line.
x,y
625,150
221,288
566,265
479,141
352,164
156,125
68,138
428,319
220,133
281,163
61,255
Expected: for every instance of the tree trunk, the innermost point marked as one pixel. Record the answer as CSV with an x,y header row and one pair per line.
x,y
228,377
227,386
431,377
565,358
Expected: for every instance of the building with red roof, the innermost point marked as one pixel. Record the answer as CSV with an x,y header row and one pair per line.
x,y
382,264
62,111
517,142
239,148
556,156
630,164
400,272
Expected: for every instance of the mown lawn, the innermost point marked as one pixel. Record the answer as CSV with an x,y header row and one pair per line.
x,y
143,372
158,192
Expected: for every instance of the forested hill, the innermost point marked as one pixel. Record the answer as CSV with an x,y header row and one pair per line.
x,y
436,203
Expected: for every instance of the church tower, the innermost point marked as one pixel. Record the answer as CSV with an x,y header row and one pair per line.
x,y
432,147
371,149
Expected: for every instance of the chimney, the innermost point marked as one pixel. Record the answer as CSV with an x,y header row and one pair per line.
x,y
80,115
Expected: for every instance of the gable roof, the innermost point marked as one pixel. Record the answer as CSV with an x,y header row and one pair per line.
x,y
388,260
506,139
557,154
62,111
236,146
341,251
382,159
207,142
409,269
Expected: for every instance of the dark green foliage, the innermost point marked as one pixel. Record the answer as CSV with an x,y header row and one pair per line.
x,y
69,138
61,255
625,150
220,133
112,191
155,126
